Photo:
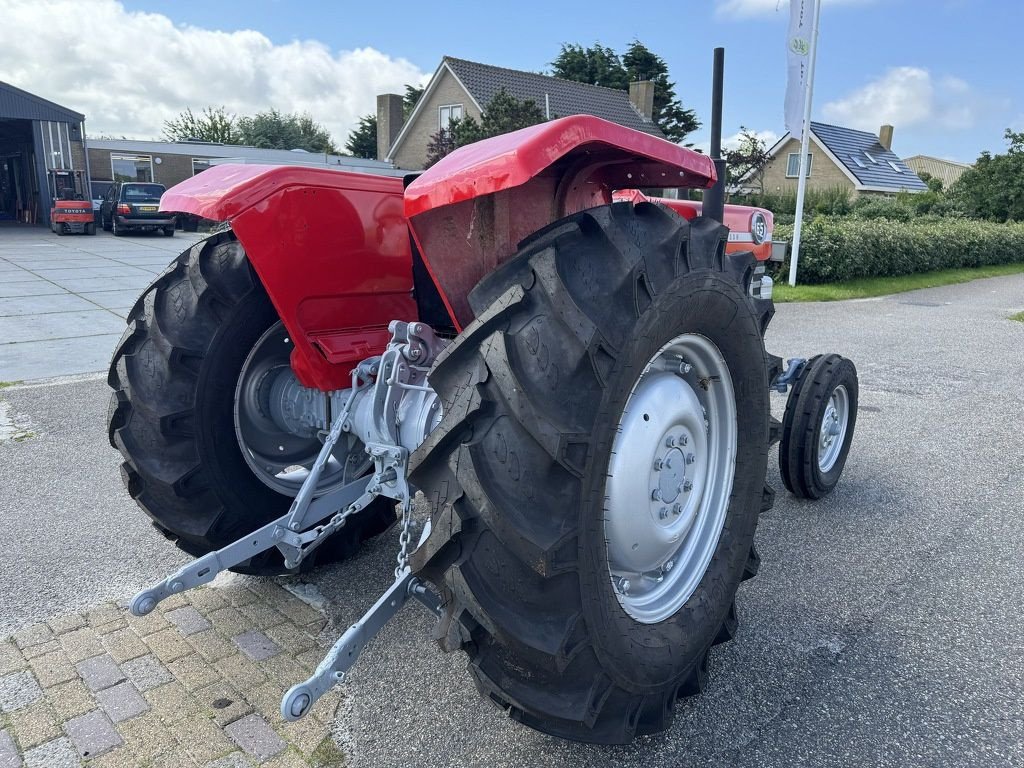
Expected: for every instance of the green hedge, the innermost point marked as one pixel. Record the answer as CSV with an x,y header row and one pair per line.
x,y
834,249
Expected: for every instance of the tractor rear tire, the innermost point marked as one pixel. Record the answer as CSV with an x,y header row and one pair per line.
x,y
517,473
174,375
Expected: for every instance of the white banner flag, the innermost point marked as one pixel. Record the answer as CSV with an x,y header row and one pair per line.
x,y
798,49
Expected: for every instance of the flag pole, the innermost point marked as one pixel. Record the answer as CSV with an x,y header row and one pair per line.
x,y
805,140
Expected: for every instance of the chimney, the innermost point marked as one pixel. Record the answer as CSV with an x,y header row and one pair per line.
x,y
641,96
885,136
390,117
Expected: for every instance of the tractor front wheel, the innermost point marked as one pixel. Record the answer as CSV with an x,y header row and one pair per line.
x,y
596,480
203,454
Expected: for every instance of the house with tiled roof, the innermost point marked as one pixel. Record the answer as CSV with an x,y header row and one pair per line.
x,y
461,88
860,161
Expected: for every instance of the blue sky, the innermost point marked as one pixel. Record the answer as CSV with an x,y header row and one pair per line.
x,y
946,73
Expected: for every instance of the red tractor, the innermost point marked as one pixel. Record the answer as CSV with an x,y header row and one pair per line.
x,y
71,210
561,383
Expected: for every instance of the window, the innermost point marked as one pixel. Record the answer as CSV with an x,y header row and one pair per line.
x,y
894,166
870,157
447,113
200,164
131,167
793,166
857,161
141,192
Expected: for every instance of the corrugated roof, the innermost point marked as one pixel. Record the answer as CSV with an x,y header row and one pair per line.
x,y
236,151
18,104
566,97
947,171
850,146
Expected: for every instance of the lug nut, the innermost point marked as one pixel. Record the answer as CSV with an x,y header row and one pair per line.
x,y
670,441
623,586
677,509
663,513
687,486
684,367
690,458
658,464
656,494
683,440
668,566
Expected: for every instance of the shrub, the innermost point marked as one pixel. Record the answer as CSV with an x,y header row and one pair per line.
x,y
835,249
882,208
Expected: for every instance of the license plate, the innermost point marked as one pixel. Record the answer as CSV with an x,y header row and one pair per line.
x,y
147,208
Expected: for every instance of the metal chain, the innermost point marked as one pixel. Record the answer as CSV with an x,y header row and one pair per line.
x,y
404,538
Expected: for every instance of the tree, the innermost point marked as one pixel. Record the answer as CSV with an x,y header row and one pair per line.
x,y
362,142
994,187
504,113
213,124
596,65
275,130
412,96
749,158
675,121
600,65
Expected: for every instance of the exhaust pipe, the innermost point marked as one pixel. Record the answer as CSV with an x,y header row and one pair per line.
x,y
714,198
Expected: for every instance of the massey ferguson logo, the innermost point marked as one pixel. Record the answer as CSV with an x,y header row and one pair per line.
x,y
758,228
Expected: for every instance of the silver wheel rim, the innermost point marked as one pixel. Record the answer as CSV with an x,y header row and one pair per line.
x,y
834,423
279,454
670,477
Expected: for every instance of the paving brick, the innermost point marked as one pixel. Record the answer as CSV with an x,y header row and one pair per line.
x,y
148,624
241,671
177,758
92,734
62,624
146,672
104,613
238,594
254,736
146,736
41,649
35,725
172,602
52,669
34,635
212,645
99,672
70,699
268,591
256,645
59,753
202,739
266,699
19,690
168,645
289,759
124,644
298,611
120,757
81,644
122,702
207,599
172,702
223,703
9,757
111,626
193,672
284,670
234,760
305,734
11,659
229,622
293,639
188,620
261,615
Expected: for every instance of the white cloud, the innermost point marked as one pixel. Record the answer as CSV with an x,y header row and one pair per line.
x,y
129,71
905,97
745,9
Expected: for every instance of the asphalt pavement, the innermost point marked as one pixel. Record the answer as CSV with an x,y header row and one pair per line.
x,y
886,626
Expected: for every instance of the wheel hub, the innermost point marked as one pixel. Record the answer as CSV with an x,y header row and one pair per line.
x,y
834,423
670,477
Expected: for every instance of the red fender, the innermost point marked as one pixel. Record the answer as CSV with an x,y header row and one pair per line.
x,y
470,210
330,247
